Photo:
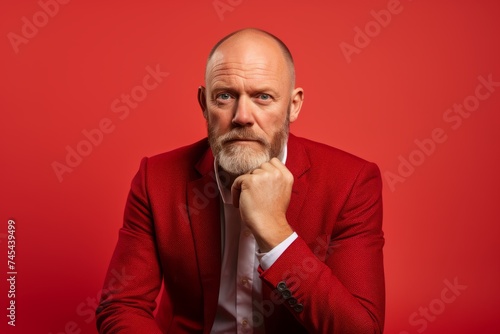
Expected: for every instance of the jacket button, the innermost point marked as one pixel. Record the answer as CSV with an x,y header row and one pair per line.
x,y
281,286
286,293
292,301
298,308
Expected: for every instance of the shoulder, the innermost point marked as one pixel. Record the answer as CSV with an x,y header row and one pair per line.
x,y
333,178
180,162
323,154
329,163
185,154
315,148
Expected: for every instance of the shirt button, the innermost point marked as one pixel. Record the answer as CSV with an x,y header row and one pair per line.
x,y
244,322
247,233
244,281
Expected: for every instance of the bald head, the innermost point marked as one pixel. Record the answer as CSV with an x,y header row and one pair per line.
x,y
252,39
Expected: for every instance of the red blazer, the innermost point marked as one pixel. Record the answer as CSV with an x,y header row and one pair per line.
x,y
171,234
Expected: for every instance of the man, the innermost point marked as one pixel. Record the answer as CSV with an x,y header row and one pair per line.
x,y
253,230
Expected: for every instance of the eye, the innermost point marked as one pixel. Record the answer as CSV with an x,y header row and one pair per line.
x,y
223,99
264,99
224,96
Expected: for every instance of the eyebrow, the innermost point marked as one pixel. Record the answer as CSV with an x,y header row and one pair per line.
x,y
262,89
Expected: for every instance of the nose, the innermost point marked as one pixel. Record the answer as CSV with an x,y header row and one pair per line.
x,y
243,115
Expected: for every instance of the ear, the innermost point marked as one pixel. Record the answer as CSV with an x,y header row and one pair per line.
x,y
296,105
202,100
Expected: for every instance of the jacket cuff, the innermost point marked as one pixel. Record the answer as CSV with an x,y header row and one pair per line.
x,y
287,273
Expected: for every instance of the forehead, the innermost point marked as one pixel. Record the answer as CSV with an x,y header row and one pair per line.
x,y
255,71
247,59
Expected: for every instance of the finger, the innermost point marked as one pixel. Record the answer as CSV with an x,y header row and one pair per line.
x,y
236,191
282,168
267,166
271,167
277,163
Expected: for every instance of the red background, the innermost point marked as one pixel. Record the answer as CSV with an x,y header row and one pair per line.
x,y
440,224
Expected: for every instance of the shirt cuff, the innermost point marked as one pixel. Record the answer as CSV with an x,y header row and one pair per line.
x,y
267,259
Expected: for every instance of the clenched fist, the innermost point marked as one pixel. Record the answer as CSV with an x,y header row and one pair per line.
x,y
263,196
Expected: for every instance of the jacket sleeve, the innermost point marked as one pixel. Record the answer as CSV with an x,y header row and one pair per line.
x,y
133,280
345,293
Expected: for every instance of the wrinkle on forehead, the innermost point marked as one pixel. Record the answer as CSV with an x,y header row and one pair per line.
x,y
258,80
257,70
229,70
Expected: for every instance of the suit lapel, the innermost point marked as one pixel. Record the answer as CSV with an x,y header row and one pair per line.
x,y
298,164
204,213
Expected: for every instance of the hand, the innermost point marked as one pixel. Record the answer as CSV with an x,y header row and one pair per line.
x,y
263,197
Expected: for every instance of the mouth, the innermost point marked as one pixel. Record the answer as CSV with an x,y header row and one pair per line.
x,y
241,140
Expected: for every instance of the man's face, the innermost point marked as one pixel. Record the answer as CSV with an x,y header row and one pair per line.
x,y
248,103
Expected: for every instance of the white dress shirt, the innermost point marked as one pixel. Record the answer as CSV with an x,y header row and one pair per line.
x,y
240,285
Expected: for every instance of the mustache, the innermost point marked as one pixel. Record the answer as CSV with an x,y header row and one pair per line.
x,y
242,134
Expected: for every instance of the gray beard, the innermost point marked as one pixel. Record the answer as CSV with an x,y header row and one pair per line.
x,y
239,159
